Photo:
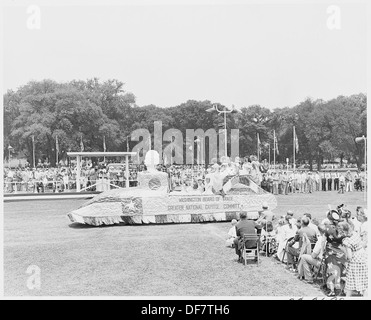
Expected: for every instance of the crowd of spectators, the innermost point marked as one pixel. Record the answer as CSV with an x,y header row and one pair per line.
x,y
333,250
286,182
44,178
63,178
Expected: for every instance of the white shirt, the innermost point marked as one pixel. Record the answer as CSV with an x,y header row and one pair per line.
x,y
315,228
319,246
232,232
288,232
357,225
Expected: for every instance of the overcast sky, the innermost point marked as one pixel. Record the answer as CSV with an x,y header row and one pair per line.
x,y
241,54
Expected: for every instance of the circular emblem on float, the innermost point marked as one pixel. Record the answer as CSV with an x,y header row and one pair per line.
x,y
154,183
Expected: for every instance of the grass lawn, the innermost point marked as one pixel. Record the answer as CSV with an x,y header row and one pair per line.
x,y
143,260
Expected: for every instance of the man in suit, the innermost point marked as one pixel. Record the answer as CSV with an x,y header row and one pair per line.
x,y
294,252
329,181
244,226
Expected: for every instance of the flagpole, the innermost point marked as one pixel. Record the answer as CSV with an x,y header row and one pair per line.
x,y
269,155
257,142
274,149
56,149
294,141
104,148
8,157
33,150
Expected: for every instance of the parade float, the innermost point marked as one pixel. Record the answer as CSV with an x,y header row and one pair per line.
x,y
227,192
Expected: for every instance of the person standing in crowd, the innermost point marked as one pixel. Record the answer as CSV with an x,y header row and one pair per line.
x,y
39,178
280,182
329,181
303,182
309,182
328,177
65,179
285,183
336,181
348,182
270,182
275,183
317,179
357,181
363,179
361,216
25,179
290,186
341,183
296,181
356,279
323,181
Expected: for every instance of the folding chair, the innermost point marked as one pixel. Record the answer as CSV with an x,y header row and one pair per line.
x,y
269,245
250,253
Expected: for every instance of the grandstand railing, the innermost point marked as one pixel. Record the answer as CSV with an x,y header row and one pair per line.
x,y
56,186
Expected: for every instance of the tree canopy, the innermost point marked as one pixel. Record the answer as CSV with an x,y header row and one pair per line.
x,y
92,111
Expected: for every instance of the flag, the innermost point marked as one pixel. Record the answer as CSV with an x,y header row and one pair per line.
x,y
104,143
81,144
56,144
296,141
276,143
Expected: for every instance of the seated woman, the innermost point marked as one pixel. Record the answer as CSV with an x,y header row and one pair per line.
x,y
356,279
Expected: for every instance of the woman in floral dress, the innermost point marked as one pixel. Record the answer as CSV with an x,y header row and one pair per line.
x,y
334,255
356,271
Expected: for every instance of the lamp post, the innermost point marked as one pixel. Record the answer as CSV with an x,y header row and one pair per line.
x,y
9,150
225,111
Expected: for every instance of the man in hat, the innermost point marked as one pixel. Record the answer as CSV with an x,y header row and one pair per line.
x,y
265,215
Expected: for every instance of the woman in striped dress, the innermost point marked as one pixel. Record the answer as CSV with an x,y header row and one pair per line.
x,y
356,270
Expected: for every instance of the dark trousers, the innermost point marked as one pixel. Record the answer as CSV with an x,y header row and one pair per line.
x,y
40,187
323,184
329,184
336,184
292,252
